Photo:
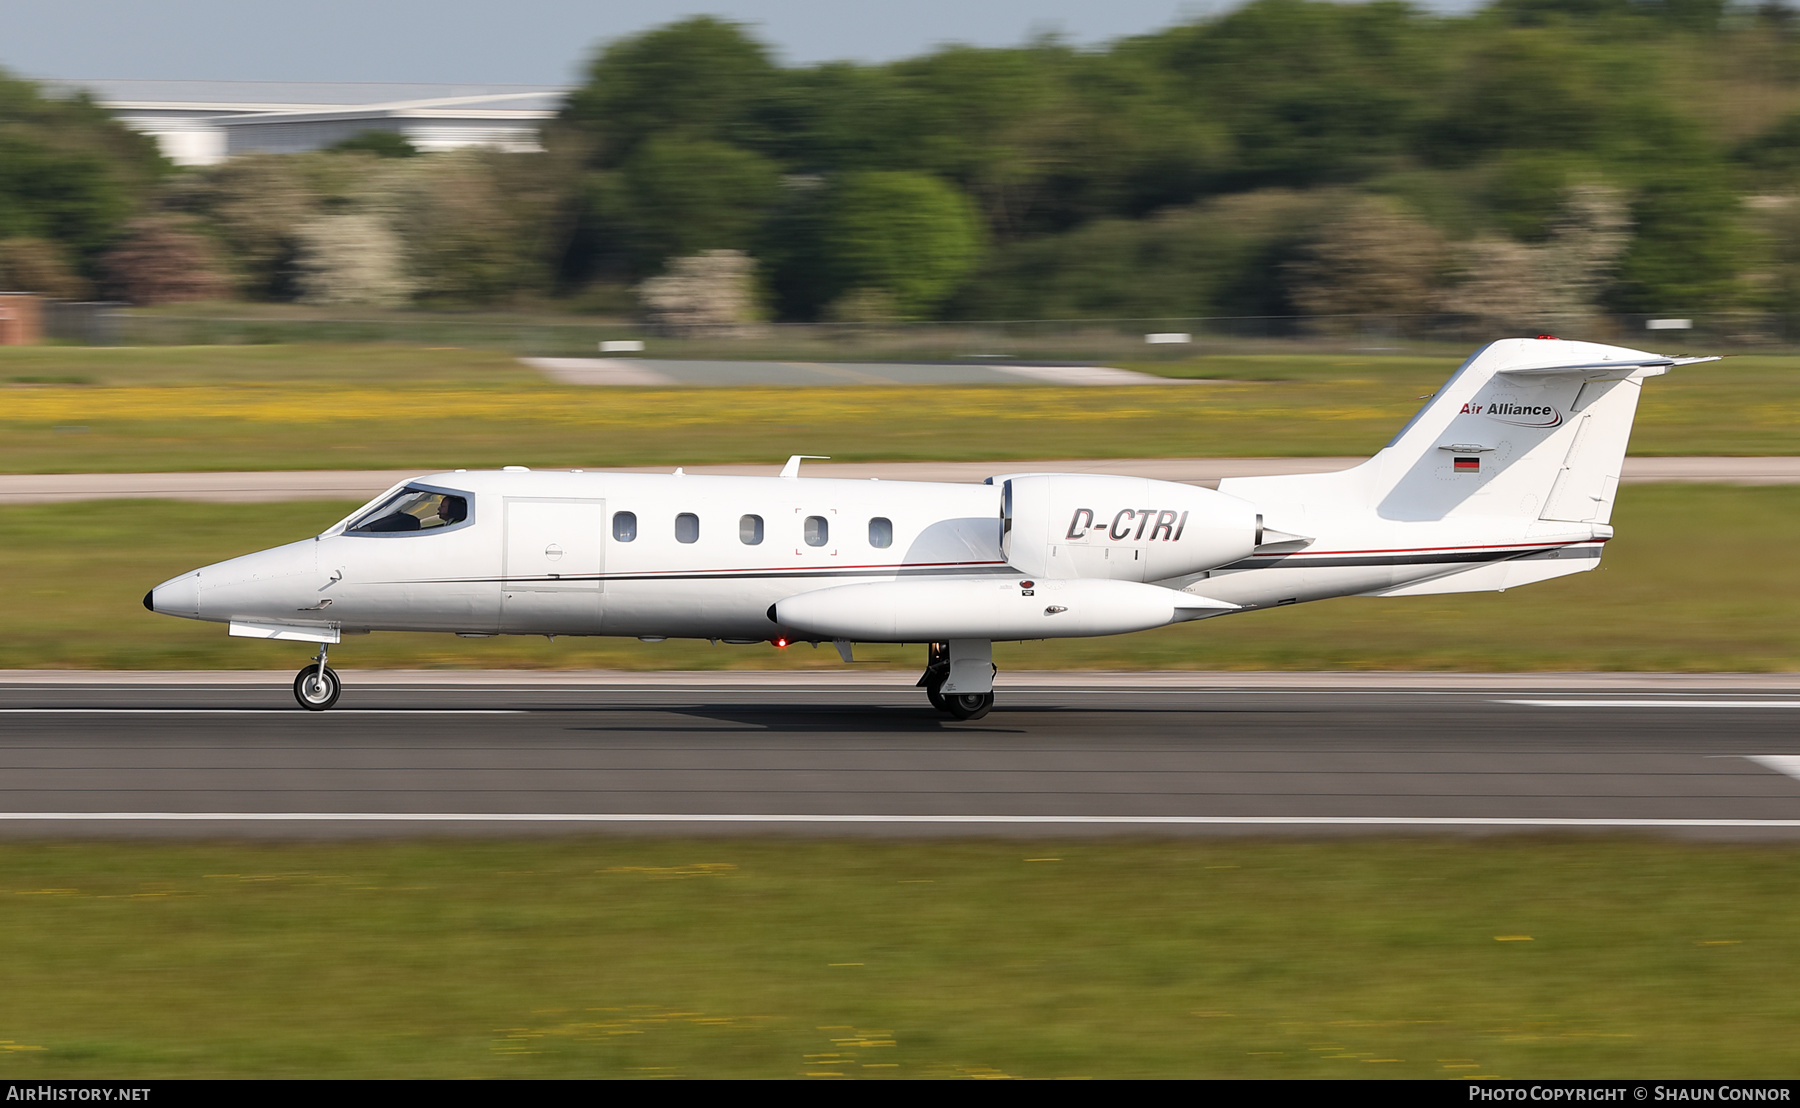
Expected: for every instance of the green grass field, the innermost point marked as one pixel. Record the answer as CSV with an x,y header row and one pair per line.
x,y
75,409
770,958
1699,578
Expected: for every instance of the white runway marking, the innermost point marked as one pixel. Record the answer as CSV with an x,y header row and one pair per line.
x,y
261,711
690,817
1088,375
1780,763
599,371
1654,703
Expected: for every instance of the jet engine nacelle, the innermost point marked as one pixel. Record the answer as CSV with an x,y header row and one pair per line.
x,y
1123,528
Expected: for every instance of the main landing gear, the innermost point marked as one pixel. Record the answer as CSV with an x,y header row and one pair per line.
x,y
959,677
316,686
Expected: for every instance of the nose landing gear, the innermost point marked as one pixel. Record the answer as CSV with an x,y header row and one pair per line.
x,y
316,686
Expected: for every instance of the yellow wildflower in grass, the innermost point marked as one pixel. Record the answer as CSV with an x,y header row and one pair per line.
x,y
700,869
300,403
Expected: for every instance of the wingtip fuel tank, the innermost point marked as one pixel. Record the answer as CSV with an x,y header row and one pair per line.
x,y
991,608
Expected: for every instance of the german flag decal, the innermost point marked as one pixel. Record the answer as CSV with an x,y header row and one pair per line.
x,y
1468,465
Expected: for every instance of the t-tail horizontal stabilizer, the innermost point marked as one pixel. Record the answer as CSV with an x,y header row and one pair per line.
x,y
1526,429
1607,371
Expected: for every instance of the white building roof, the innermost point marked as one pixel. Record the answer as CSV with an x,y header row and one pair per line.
x,y
203,122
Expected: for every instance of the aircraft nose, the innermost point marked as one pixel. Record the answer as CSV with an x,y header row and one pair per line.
x,y
178,596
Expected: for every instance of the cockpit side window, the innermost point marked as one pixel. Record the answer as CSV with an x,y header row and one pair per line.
x,y
412,509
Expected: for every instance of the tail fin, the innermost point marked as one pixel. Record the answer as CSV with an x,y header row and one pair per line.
x,y
1532,428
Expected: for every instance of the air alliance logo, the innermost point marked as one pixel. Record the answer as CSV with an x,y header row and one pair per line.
x,y
1519,415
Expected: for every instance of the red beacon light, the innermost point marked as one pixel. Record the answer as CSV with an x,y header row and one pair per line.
x,y
1552,338
781,643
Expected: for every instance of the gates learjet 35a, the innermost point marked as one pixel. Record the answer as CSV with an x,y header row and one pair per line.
x,y
1505,478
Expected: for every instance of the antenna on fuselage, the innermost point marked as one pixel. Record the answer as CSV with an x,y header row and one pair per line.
x,y
792,469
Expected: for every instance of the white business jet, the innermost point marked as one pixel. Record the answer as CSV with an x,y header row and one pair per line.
x,y
1505,478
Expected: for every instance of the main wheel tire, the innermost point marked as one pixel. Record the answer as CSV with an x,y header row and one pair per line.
x,y
934,692
317,691
970,705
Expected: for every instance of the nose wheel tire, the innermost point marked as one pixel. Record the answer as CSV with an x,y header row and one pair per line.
x,y
969,705
317,689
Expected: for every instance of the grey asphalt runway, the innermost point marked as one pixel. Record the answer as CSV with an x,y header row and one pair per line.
x,y
403,759
240,487
670,372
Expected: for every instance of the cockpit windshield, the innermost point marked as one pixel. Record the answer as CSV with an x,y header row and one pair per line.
x,y
411,510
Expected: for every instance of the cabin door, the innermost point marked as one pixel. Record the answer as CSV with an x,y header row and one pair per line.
x,y
551,566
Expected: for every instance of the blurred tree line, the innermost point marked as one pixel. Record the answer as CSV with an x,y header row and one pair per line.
x,y
1290,156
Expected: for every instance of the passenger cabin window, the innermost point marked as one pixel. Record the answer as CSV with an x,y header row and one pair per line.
x,y
412,510
818,532
881,532
750,530
687,527
624,526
